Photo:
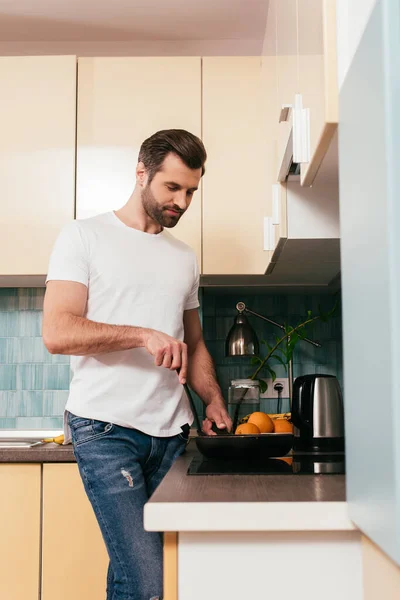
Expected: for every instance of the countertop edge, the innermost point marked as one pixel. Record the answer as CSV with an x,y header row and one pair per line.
x,y
247,516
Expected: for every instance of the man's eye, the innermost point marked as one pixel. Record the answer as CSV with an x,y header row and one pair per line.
x,y
172,189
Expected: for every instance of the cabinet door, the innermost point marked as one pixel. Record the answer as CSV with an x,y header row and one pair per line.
x,y
317,58
37,158
238,179
20,531
121,102
74,557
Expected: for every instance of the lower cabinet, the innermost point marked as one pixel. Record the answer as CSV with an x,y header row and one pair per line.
x,y
74,557
170,566
20,531
381,574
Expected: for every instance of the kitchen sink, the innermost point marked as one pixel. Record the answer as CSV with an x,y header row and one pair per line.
x,y
16,444
28,438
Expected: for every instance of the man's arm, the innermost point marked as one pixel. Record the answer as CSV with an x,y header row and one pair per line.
x,y
201,374
66,331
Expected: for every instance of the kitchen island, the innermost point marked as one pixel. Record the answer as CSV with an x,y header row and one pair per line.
x,y
226,537
255,536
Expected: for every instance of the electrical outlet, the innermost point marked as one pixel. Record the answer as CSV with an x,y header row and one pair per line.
x,y
271,393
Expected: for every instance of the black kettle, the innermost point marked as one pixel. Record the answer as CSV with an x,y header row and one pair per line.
x,y
317,414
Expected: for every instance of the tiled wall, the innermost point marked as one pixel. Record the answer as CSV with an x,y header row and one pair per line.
x,y
34,384
218,316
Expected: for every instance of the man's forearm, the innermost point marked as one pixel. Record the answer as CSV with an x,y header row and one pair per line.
x,y
80,337
202,377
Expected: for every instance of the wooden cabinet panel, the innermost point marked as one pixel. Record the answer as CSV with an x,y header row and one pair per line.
x,y
74,557
121,102
20,531
238,179
37,158
318,78
170,566
381,576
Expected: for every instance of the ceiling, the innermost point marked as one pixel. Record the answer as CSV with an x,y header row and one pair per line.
x,y
131,20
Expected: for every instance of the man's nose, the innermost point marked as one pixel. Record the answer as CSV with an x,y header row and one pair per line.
x,y
181,200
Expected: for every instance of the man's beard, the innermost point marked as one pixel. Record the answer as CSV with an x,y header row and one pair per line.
x,y
156,212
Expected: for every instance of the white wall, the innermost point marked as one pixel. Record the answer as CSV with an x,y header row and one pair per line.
x,y
352,17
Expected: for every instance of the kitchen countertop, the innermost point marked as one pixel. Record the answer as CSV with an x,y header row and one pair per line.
x,y
246,502
226,502
38,454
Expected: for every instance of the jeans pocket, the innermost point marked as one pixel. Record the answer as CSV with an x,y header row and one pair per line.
x,y
86,430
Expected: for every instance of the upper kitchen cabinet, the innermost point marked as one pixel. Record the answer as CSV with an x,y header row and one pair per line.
x,y
121,102
318,85
37,160
238,178
306,67
305,236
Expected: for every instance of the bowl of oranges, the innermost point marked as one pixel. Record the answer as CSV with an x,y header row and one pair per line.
x,y
258,435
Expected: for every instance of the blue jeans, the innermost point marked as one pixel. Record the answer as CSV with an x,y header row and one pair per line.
x,y
120,469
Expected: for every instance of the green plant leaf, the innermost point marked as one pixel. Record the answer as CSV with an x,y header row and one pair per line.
x,y
263,386
281,349
322,315
333,309
309,314
271,371
255,360
280,360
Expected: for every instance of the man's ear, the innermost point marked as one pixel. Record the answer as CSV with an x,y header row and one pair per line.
x,y
141,174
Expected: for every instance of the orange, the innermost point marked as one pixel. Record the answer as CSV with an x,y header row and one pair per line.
x,y
263,422
247,429
287,459
282,426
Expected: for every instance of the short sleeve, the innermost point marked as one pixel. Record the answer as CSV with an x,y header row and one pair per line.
x,y
69,260
193,297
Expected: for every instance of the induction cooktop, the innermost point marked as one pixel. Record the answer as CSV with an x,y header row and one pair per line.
x,y
303,464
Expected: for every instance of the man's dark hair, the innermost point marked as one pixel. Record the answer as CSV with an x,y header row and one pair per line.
x,y
184,144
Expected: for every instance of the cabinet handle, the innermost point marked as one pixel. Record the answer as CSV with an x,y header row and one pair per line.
x,y
269,234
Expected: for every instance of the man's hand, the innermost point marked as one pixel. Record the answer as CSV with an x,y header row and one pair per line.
x,y
167,351
216,413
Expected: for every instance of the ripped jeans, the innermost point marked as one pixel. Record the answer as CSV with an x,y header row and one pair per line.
x,y
120,469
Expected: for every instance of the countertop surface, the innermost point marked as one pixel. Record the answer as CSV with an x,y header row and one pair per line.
x,y
38,454
246,502
226,502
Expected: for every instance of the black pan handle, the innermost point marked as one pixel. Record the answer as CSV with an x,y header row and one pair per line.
x,y
193,407
196,415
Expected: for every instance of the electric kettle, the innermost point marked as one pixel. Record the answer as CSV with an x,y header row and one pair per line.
x,y
317,414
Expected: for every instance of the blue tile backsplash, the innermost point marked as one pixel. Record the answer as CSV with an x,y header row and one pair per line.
x,y
219,310
34,383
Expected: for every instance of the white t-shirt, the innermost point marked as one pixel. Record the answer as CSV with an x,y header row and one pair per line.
x,y
133,278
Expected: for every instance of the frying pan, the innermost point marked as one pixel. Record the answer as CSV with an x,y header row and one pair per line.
x,y
229,446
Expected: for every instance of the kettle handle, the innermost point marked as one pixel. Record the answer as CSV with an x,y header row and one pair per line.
x,y
304,408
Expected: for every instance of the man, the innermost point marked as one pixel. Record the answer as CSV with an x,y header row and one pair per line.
x,y
122,299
